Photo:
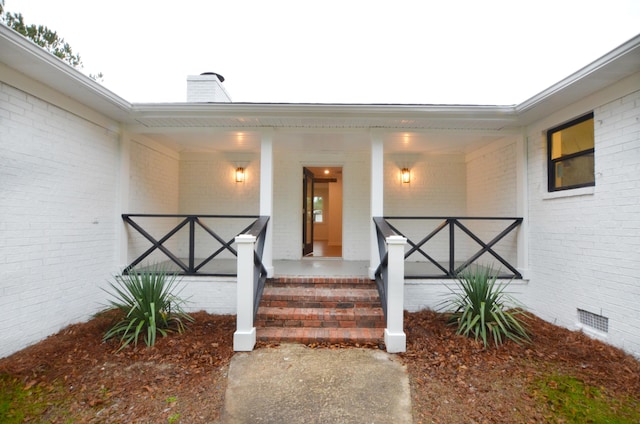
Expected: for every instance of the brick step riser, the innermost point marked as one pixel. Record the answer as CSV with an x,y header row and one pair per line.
x,y
303,280
320,291
336,295
318,324
323,286
319,304
321,335
362,316
348,314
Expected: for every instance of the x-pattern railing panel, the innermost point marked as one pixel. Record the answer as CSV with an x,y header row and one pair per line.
x,y
453,222
190,268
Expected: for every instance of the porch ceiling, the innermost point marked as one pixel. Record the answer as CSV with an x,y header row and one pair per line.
x,y
408,129
326,142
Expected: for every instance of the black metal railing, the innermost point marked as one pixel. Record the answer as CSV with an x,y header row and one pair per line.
x,y
383,230
191,265
259,231
453,265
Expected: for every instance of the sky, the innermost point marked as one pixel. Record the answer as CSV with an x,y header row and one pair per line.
x,y
497,52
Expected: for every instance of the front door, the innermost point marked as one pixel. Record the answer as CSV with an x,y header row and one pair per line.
x,y
307,212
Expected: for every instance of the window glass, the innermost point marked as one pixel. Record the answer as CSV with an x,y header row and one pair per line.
x,y
575,171
571,154
574,139
317,209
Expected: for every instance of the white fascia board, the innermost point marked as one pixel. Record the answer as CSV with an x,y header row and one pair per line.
x,y
614,66
318,110
21,54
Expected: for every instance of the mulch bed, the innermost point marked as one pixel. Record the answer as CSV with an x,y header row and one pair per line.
x,y
183,378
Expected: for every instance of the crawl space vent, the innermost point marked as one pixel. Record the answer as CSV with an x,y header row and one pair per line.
x,y
595,321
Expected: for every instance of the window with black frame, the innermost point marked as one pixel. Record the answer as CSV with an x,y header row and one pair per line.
x,y
570,150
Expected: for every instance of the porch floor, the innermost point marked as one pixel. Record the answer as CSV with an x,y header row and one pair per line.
x,y
310,267
325,267
305,267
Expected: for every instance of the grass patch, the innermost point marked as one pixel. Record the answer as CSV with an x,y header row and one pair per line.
x,y
569,400
19,402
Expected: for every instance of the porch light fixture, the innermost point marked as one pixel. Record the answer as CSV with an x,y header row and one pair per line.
x,y
406,175
239,174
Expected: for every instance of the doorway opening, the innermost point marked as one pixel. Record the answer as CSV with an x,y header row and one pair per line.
x,y
322,212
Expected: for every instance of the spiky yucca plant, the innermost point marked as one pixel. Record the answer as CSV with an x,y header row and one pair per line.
x,y
149,306
482,308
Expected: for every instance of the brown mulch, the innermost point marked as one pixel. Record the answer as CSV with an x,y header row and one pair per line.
x,y
455,380
183,378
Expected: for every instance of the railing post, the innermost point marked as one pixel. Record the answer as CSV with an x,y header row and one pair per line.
x,y
244,339
452,247
394,336
192,243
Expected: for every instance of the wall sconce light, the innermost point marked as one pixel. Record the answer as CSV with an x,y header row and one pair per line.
x,y
239,174
406,175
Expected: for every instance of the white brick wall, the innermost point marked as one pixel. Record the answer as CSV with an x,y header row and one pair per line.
x,y
491,191
153,179
207,184
153,189
585,249
215,295
58,179
491,180
208,187
437,188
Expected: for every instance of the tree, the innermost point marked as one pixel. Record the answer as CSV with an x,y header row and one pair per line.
x,y
42,36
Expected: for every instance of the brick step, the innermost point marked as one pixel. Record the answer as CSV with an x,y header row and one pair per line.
x,y
371,317
339,282
320,335
320,310
314,297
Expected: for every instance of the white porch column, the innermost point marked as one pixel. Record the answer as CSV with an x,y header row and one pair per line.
x,y
244,339
377,197
266,196
522,206
394,337
123,198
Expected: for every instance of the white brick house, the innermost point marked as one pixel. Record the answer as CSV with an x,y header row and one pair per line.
x,y
74,157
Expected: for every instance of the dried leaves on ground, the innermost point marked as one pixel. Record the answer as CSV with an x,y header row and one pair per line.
x,y
72,376
455,380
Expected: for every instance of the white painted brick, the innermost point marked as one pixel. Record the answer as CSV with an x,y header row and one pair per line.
x,y
206,88
584,250
215,295
57,206
153,189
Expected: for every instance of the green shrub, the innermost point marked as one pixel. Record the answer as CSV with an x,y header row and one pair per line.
x,y
149,307
482,308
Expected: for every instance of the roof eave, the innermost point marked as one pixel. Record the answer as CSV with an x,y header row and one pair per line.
x,y
614,66
38,64
300,109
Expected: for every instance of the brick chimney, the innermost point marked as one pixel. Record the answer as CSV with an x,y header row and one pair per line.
x,y
206,88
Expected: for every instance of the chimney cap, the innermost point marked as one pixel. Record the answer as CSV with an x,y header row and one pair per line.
x,y
220,77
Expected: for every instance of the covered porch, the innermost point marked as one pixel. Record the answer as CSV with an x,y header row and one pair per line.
x,y
463,203
181,160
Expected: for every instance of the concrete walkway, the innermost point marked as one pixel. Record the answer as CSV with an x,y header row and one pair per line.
x,y
296,384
